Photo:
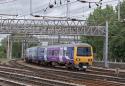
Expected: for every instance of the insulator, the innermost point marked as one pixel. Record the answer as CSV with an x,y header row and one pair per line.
x,y
89,5
36,15
73,19
55,1
68,0
82,1
97,4
51,6
100,7
60,2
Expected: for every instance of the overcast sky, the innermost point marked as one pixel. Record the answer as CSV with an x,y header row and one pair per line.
x,y
22,8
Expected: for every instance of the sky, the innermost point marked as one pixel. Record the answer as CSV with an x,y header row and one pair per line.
x,y
22,8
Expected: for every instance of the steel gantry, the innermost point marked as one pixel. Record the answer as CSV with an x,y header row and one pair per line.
x,y
50,27
71,27
45,38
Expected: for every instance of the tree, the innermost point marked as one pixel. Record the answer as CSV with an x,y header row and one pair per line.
x,y
116,32
99,17
2,52
16,46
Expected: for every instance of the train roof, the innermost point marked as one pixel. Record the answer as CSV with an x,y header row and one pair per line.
x,y
63,45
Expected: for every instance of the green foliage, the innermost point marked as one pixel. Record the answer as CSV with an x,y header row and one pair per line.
x,y
2,52
122,7
116,33
16,46
16,50
99,16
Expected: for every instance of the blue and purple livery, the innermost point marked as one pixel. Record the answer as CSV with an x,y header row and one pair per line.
x,y
71,55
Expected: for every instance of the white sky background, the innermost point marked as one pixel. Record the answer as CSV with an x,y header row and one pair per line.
x,y
22,8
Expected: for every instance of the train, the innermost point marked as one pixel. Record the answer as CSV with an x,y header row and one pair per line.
x,y
72,56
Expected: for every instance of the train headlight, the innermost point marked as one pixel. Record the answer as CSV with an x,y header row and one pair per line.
x,y
77,59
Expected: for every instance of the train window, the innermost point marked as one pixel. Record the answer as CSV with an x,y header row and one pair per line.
x,y
52,53
42,51
49,52
83,51
56,53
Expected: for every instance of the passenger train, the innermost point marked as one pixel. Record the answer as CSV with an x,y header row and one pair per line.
x,y
74,56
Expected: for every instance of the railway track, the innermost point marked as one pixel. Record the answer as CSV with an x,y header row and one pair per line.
x,y
14,73
71,76
92,70
20,77
109,72
7,82
33,80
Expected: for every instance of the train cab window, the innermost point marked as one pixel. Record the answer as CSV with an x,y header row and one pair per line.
x,y
83,51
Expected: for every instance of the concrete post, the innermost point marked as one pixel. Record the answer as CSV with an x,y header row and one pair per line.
x,y
106,46
11,45
22,55
8,48
119,10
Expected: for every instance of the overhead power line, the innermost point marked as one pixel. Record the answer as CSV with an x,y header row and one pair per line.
x,y
108,2
7,1
47,8
8,15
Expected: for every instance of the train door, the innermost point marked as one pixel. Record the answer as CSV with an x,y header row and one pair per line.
x,y
61,55
45,54
70,53
41,54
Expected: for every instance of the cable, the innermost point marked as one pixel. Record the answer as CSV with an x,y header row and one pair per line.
x,y
55,6
8,1
46,9
66,4
91,9
73,2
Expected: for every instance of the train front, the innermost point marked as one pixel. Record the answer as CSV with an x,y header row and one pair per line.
x,y
83,56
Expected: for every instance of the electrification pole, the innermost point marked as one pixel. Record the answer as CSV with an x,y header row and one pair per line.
x,y
11,45
119,10
8,47
67,11
106,46
22,55
59,38
30,7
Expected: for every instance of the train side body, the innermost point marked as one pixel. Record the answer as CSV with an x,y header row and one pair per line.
x,y
31,53
76,55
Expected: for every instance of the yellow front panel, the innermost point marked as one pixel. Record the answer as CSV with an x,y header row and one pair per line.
x,y
82,59
75,49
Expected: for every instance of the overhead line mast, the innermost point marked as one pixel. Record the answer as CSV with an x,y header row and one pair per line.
x,y
119,10
30,7
67,13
